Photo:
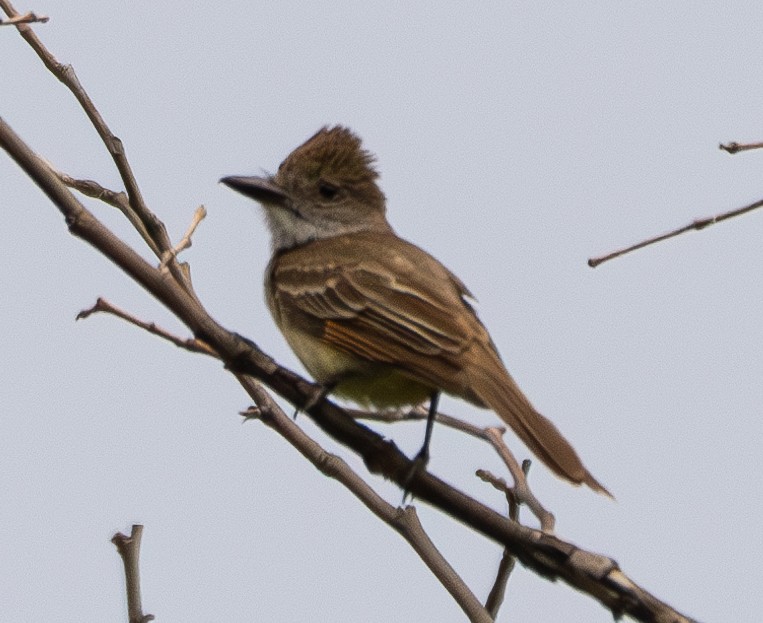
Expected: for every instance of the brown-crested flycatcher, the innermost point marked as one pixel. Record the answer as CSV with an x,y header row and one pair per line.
x,y
371,316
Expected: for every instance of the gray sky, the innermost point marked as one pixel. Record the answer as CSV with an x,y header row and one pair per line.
x,y
514,140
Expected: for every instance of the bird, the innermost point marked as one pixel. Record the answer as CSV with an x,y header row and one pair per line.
x,y
373,317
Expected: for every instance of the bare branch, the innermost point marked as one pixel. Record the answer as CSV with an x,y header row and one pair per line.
x,y
192,345
731,148
521,489
735,148
404,521
129,550
89,188
695,225
497,593
420,413
508,560
185,242
28,18
118,200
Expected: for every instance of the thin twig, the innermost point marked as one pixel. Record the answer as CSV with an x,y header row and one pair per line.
x,y
116,199
735,148
417,413
497,594
695,225
522,491
192,344
508,560
89,188
28,18
185,242
129,550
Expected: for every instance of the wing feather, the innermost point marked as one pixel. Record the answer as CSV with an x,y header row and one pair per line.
x,y
377,306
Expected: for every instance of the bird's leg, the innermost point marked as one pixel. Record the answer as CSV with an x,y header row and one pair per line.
x,y
422,456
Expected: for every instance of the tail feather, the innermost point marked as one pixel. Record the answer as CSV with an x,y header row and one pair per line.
x,y
500,393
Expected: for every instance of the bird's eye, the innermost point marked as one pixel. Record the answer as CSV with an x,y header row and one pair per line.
x,y
327,191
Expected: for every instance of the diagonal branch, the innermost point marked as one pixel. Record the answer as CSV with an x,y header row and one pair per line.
x,y
698,224
191,345
731,148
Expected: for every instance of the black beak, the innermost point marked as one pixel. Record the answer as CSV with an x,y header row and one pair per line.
x,y
260,189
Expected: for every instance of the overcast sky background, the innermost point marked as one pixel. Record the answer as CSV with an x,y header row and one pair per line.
x,y
514,140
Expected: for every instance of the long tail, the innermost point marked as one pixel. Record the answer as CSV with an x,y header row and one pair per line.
x,y
493,385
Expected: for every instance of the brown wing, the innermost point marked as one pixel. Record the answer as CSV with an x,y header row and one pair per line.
x,y
381,299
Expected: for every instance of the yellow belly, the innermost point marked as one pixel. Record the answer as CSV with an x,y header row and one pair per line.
x,y
385,387
366,383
